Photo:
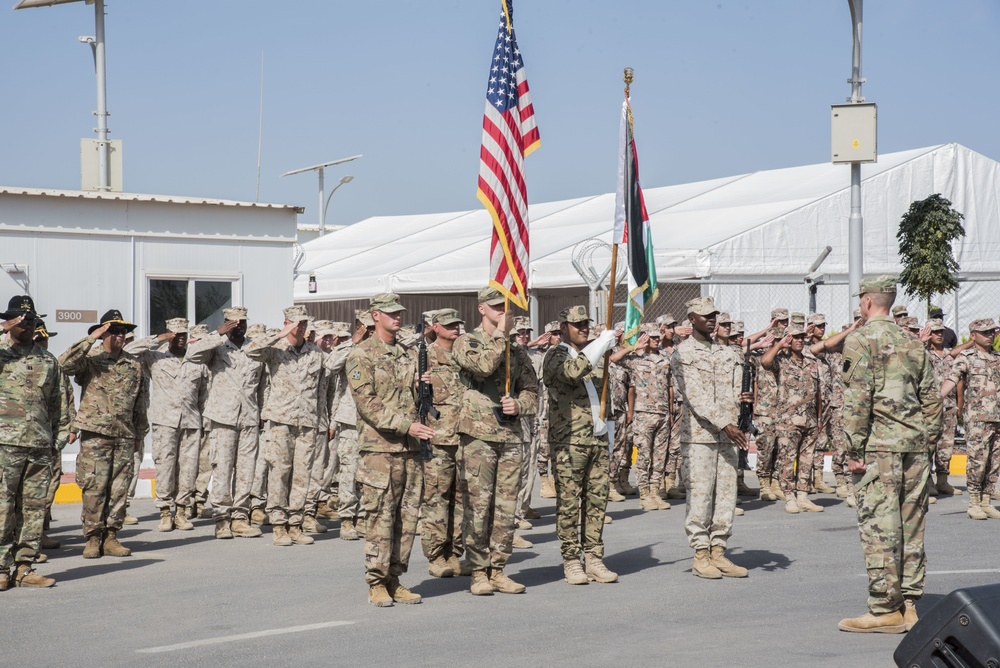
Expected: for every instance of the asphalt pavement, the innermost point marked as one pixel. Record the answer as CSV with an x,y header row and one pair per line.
x,y
187,599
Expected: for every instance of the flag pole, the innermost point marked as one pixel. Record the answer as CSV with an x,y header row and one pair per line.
x,y
506,311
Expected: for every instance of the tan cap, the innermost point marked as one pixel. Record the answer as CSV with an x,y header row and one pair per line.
x,y
552,327
322,327
910,322
385,302
666,319
701,306
235,313
982,325
881,283
177,325
522,322
199,331
256,329
340,329
574,314
447,316
798,317
429,316
364,316
899,310
738,327
296,314
723,319
491,296
936,324
651,329
856,314
779,314
816,319
795,329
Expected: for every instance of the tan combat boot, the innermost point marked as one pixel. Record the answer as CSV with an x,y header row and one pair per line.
x,y
573,571
738,512
741,486
258,517
819,485
300,538
614,495
503,584
166,520
401,594
457,567
765,489
311,525
851,502
523,525
281,537
703,566
976,511
520,543
222,529
890,622
130,519
805,504
348,530
677,491
596,570
548,489
944,488
931,499
843,487
25,577
480,584
791,506
626,488
647,501
439,568
50,543
326,511
4,580
181,521
659,496
111,547
241,528
726,567
92,550
990,511
377,595
776,490
910,618
669,480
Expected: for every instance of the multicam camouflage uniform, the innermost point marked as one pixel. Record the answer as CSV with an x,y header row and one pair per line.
x,y
621,454
796,426
491,451
651,380
381,376
345,415
946,444
111,418
981,416
892,410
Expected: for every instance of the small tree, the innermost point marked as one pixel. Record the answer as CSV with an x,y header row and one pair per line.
x,y
925,235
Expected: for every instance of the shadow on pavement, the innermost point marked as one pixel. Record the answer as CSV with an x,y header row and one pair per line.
x,y
763,560
102,566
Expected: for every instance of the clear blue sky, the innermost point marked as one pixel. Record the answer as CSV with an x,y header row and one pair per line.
x,y
721,88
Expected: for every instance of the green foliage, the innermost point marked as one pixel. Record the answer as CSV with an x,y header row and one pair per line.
x,y
926,232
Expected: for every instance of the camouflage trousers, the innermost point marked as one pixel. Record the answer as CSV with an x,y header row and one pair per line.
x,y
348,490
674,451
137,457
204,477
527,477
982,467
621,451
581,477
892,502
542,449
175,453
796,449
103,469
442,505
709,473
54,480
651,436
24,487
765,442
833,434
391,488
289,454
234,457
946,443
321,461
258,491
328,486
490,476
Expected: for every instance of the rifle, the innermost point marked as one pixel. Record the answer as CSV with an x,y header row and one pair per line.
x,y
425,392
745,421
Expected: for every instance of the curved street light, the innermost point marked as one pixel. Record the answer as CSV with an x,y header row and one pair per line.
x,y
343,179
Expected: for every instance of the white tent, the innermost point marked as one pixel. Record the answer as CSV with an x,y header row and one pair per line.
x,y
753,229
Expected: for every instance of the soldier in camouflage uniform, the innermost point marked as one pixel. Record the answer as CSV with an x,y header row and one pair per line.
x,y
709,377
295,407
34,419
329,488
529,427
673,482
547,489
175,416
979,367
111,419
620,462
649,415
892,410
491,448
765,410
579,439
382,378
942,361
441,535
233,416
796,428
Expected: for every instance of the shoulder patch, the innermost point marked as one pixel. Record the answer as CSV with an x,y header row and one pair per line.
x,y
356,375
473,344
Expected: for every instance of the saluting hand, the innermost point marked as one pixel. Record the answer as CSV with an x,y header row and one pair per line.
x,y
227,326
786,341
101,331
12,323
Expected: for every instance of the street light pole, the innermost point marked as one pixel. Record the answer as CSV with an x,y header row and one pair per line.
x,y
343,179
856,223
323,199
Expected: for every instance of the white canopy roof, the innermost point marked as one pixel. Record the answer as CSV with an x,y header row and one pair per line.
x,y
765,223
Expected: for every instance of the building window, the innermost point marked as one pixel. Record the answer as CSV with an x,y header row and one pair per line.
x,y
201,301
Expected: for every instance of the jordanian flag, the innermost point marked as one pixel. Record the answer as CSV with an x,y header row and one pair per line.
x,y
632,230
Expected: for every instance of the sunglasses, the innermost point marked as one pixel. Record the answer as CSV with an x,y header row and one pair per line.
x,y
117,331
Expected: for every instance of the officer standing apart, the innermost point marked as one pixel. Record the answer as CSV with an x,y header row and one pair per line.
x,y
892,412
382,377
709,377
579,441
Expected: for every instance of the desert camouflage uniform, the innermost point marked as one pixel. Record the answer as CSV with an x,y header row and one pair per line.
x,y
946,444
175,416
381,378
34,421
293,410
892,410
831,433
581,457
111,418
674,452
650,376
709,377
442,502
346,416
543,453
621,452
234,417
796,424
981,417
763,418
258,491
491,451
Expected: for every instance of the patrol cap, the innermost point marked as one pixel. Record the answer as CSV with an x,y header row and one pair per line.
x,y
407,336
936,324
112,317
256,330
795,329
311,327
429,317
779,314
386,302
666,319
885,283
701,306
322,327
552,327
816,319
340,329
447,316
521,323
899,310
198,331
738,327
856,314
982,325
296,314
934,312
41,332
723,319
798,318
652,330
490,296
177,325
235,313
21,305
910,322
574,314
364,316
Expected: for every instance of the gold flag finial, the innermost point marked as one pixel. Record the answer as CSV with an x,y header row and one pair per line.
x,y
628,76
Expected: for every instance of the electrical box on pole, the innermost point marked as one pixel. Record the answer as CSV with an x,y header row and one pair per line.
x,y
853,132
90,165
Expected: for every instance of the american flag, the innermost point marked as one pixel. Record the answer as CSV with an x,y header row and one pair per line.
x,y
509,134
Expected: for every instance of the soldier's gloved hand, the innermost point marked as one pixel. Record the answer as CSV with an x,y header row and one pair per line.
x,y
595,349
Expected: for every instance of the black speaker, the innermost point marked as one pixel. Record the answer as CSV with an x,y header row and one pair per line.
x,y
962,631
